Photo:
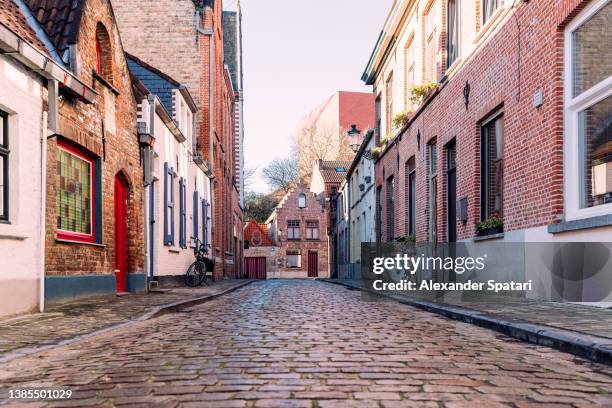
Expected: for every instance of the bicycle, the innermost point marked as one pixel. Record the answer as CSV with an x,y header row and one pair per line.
x,y
197,273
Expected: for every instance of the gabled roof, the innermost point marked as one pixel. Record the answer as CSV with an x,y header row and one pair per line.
x,y
333,171
256,234
13,19
157,82
60,19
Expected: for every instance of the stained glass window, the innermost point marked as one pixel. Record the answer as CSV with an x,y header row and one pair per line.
x,y
74,192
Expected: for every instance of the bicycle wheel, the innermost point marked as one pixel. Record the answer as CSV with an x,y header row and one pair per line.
x,y
203,273
193,276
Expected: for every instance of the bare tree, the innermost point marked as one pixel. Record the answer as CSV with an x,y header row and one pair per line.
x,y
249,175
314,142
281,173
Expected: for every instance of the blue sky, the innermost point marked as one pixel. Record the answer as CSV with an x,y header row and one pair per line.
x,y
297,53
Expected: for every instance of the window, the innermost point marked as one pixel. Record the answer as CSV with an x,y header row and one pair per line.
x,y
378,119
389,99
379,214
488,9
491,167
409,78
312,230
293,230
433,190
182,213
4,168
302,200
294,260
169,205
74,192
452,30
390,209
411,189
588,110
431,47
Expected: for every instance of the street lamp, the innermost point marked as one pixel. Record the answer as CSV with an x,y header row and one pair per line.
x,y
353,135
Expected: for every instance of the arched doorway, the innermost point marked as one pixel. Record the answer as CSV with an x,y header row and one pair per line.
x,y
121,258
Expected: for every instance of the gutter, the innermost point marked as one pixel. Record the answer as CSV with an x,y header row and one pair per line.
x,y
38,30
22,51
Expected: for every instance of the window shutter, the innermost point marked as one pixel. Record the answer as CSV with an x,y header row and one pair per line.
x,y
204,222
171,176
181,213
167,238
196,226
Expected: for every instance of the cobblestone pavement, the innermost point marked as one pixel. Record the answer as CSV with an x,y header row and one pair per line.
x,y
309,344
590,320
67,320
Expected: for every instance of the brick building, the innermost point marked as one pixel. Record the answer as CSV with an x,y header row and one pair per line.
x,y
297,227
516,123
34,80
322,134
94,224
192,52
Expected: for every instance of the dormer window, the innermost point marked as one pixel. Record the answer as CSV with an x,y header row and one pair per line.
x,y
302,200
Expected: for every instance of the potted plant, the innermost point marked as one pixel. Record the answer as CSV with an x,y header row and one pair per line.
x,y
492,225
401,119
423,91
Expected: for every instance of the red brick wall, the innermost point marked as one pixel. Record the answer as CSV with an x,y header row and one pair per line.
x,y
533,137
82,124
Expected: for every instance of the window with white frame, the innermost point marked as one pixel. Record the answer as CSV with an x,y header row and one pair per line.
x,y
389,99
294,258
452,31
409,77
293,229
431,45
488,9
588,112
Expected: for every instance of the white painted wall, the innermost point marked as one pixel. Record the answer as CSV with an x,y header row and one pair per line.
x,y
21,96
172,260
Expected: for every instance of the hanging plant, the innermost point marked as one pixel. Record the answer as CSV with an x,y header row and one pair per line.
x,y
401,119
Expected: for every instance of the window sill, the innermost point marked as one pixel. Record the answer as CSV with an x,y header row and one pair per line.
x,y
70,241
489,237
582,224
488,26
104,82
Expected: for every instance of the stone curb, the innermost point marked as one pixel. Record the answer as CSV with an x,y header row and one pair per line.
x,y
156,312
594,348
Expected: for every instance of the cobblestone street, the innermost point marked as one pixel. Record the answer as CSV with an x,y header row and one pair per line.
x,y
308,344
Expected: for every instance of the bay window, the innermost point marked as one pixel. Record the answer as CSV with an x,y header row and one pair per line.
x,y
74,194
588,113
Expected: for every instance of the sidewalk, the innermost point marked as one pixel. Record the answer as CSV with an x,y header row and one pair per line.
x,y
574,328
73,319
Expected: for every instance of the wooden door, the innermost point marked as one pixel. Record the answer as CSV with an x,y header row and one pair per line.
x,y
121,261
313,264
255,267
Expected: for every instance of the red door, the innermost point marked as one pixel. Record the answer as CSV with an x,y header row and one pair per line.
x,y
121,262
313,264
255,267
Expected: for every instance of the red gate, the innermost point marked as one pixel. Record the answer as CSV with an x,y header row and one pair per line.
x,y
255,267
313,264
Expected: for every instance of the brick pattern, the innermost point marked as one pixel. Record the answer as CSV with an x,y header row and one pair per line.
x,y
183,53
107,129
311,344
533,137
288,210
